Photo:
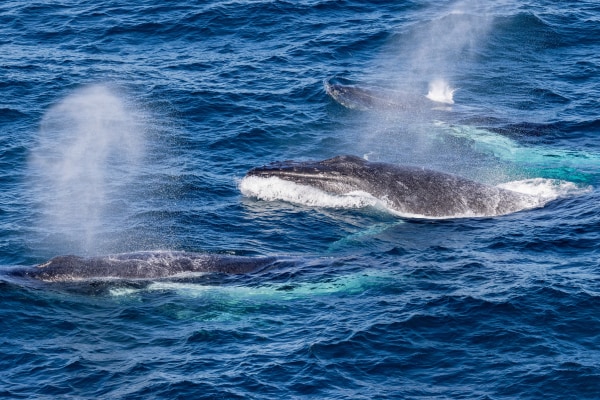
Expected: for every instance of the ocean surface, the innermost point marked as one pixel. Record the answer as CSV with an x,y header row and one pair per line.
x,y
127,128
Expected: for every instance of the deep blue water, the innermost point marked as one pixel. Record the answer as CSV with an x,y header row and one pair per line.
x,y
129,127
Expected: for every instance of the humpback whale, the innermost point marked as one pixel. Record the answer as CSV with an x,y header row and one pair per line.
x,y
406,190
139,266
361,97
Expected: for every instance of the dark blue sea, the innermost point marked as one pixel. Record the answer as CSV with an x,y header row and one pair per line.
x,y
130,127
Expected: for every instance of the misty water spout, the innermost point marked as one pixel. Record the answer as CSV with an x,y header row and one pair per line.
x,y
89,147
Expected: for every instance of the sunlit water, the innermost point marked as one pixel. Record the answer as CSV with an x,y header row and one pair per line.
x,y
128,128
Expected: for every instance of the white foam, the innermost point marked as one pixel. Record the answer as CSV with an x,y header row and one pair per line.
x,y
545,190
273,188
441,92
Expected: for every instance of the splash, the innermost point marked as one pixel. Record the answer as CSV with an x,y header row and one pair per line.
x,y
89,147
441,92
545,190
270,189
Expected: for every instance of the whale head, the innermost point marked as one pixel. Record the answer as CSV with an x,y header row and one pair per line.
x,y
340,174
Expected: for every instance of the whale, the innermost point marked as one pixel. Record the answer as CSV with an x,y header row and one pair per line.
x,y
139,266
409,191
368,98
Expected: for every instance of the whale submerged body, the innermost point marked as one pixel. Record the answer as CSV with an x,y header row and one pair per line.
x,y
407,190
140,266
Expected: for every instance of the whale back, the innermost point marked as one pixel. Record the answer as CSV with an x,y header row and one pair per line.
x,y
140,266
365,98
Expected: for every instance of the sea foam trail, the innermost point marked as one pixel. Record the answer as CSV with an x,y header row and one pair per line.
x,y
537,193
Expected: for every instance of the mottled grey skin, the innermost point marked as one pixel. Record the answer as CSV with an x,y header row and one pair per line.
x,y
406,189
366,98
139,266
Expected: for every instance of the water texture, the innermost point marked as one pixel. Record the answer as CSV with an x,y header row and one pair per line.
x,y
128,128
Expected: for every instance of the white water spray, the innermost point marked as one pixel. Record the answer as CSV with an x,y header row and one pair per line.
x,y
89,147
440,49
441,92
427,58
